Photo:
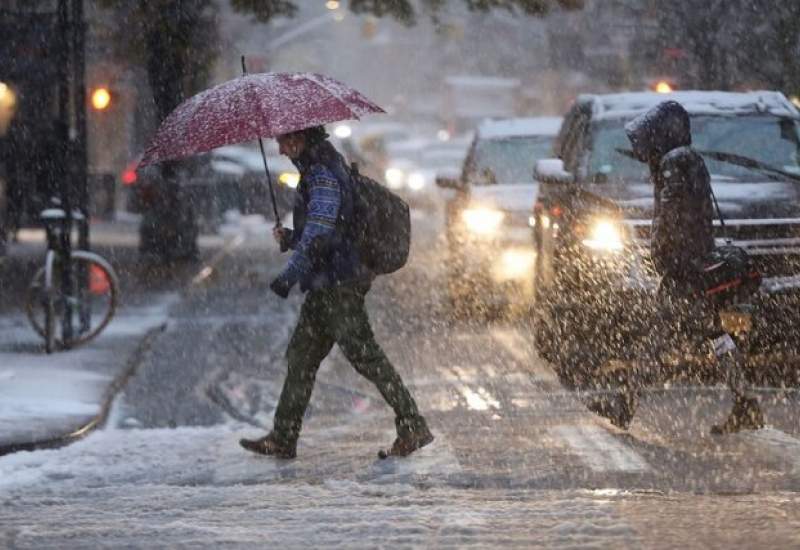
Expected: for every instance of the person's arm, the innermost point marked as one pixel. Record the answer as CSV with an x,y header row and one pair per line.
x,y
323,210
666,242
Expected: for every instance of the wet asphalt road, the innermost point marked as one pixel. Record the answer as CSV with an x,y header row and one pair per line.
x,y
499,411
507,432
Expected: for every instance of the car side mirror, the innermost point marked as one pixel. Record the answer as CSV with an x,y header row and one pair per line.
x,y
448,183
552,171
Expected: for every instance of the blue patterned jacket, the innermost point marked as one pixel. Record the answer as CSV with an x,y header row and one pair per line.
x,y
324,253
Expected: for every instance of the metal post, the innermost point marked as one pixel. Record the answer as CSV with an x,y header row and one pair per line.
x,y
79,160
80,142
64,180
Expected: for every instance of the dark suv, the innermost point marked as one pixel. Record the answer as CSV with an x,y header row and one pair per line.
x,y
595,206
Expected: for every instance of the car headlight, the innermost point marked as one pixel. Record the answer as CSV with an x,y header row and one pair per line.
x,y
289,179
343,131
395,177
604,235
482,221
518,264
416,181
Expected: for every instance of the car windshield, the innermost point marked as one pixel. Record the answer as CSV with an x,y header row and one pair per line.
x,y
443,158
507,160
770,140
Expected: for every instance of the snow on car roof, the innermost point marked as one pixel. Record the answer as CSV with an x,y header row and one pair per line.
x,y
625,105
536,126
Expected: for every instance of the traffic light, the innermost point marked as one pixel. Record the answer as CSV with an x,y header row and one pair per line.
x,y
369,28
101,98
663,86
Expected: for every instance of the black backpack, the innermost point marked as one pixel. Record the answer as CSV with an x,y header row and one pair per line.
x,y
381,225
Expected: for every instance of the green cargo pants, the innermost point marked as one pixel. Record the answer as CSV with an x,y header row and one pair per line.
x,y
328,316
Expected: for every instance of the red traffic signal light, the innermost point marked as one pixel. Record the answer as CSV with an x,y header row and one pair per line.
x,y
101,98
663,86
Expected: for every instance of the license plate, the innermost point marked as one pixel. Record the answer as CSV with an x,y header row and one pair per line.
x,y
736,322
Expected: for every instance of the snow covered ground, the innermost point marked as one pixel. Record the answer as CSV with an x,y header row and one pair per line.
x,y
518,461
47,396
193,487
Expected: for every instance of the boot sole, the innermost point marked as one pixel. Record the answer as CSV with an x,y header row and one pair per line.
x,y
260,450
384,454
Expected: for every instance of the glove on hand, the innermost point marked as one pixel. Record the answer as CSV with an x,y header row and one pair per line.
x,y
281,286
284,237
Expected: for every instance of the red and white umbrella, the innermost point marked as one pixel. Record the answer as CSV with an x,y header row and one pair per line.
x,y
254,106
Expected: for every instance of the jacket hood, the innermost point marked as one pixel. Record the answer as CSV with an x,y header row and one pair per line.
x,y
661,129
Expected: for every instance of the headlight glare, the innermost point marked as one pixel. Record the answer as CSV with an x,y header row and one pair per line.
x,y
482,221
604,235
395,177
416,181
289,179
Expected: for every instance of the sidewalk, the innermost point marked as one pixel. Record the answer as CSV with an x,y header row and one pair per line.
x,y
49,400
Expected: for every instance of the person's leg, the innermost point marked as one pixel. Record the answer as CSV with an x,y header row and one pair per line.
x,y
622,382
355,337
310,344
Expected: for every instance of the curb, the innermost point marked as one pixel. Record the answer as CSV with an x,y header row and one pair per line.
x,y
117,384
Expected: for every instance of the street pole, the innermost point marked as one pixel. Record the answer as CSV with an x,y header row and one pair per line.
x,y
79,157
80,142
65,182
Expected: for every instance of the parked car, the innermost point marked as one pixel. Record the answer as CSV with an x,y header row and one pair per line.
x,y
413,165
227,178
595,205
490,254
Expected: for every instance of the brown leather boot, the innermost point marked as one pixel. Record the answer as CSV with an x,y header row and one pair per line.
x,y
267,445
409,442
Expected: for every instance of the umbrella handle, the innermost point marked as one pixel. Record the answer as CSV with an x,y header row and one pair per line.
x,y
266,168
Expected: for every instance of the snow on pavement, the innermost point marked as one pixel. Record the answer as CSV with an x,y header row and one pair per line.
x,y
196,487
43,396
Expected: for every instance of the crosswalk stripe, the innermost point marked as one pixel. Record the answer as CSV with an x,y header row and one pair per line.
x,y
521,350
779,443
599,450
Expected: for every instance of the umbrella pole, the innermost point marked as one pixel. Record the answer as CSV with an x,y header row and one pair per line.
x,y
266,168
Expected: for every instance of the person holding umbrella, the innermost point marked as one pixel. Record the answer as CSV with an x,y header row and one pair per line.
x,y
325,263
294,107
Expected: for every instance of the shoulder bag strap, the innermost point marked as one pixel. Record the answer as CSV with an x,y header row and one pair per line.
x,y
719,215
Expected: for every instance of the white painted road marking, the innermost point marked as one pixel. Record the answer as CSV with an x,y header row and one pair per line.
x,y
779,443
522,351
599,450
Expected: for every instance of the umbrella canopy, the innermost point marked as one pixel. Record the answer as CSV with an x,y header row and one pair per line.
x,y
251,107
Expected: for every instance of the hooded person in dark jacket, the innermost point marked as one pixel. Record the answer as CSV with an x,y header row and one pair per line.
x,y
682,236
325,264
683,214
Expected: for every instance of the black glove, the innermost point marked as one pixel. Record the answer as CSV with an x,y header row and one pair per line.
x,y
281,286
285,237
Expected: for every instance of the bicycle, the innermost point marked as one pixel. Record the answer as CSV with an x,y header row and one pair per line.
x,y
83,293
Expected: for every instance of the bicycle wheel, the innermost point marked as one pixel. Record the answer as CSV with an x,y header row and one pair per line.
x,y
93,299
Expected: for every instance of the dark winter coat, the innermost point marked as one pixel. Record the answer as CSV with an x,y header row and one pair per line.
x,y
325,253
682,230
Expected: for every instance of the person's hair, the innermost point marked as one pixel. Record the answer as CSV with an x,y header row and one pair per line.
x,y
314,135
